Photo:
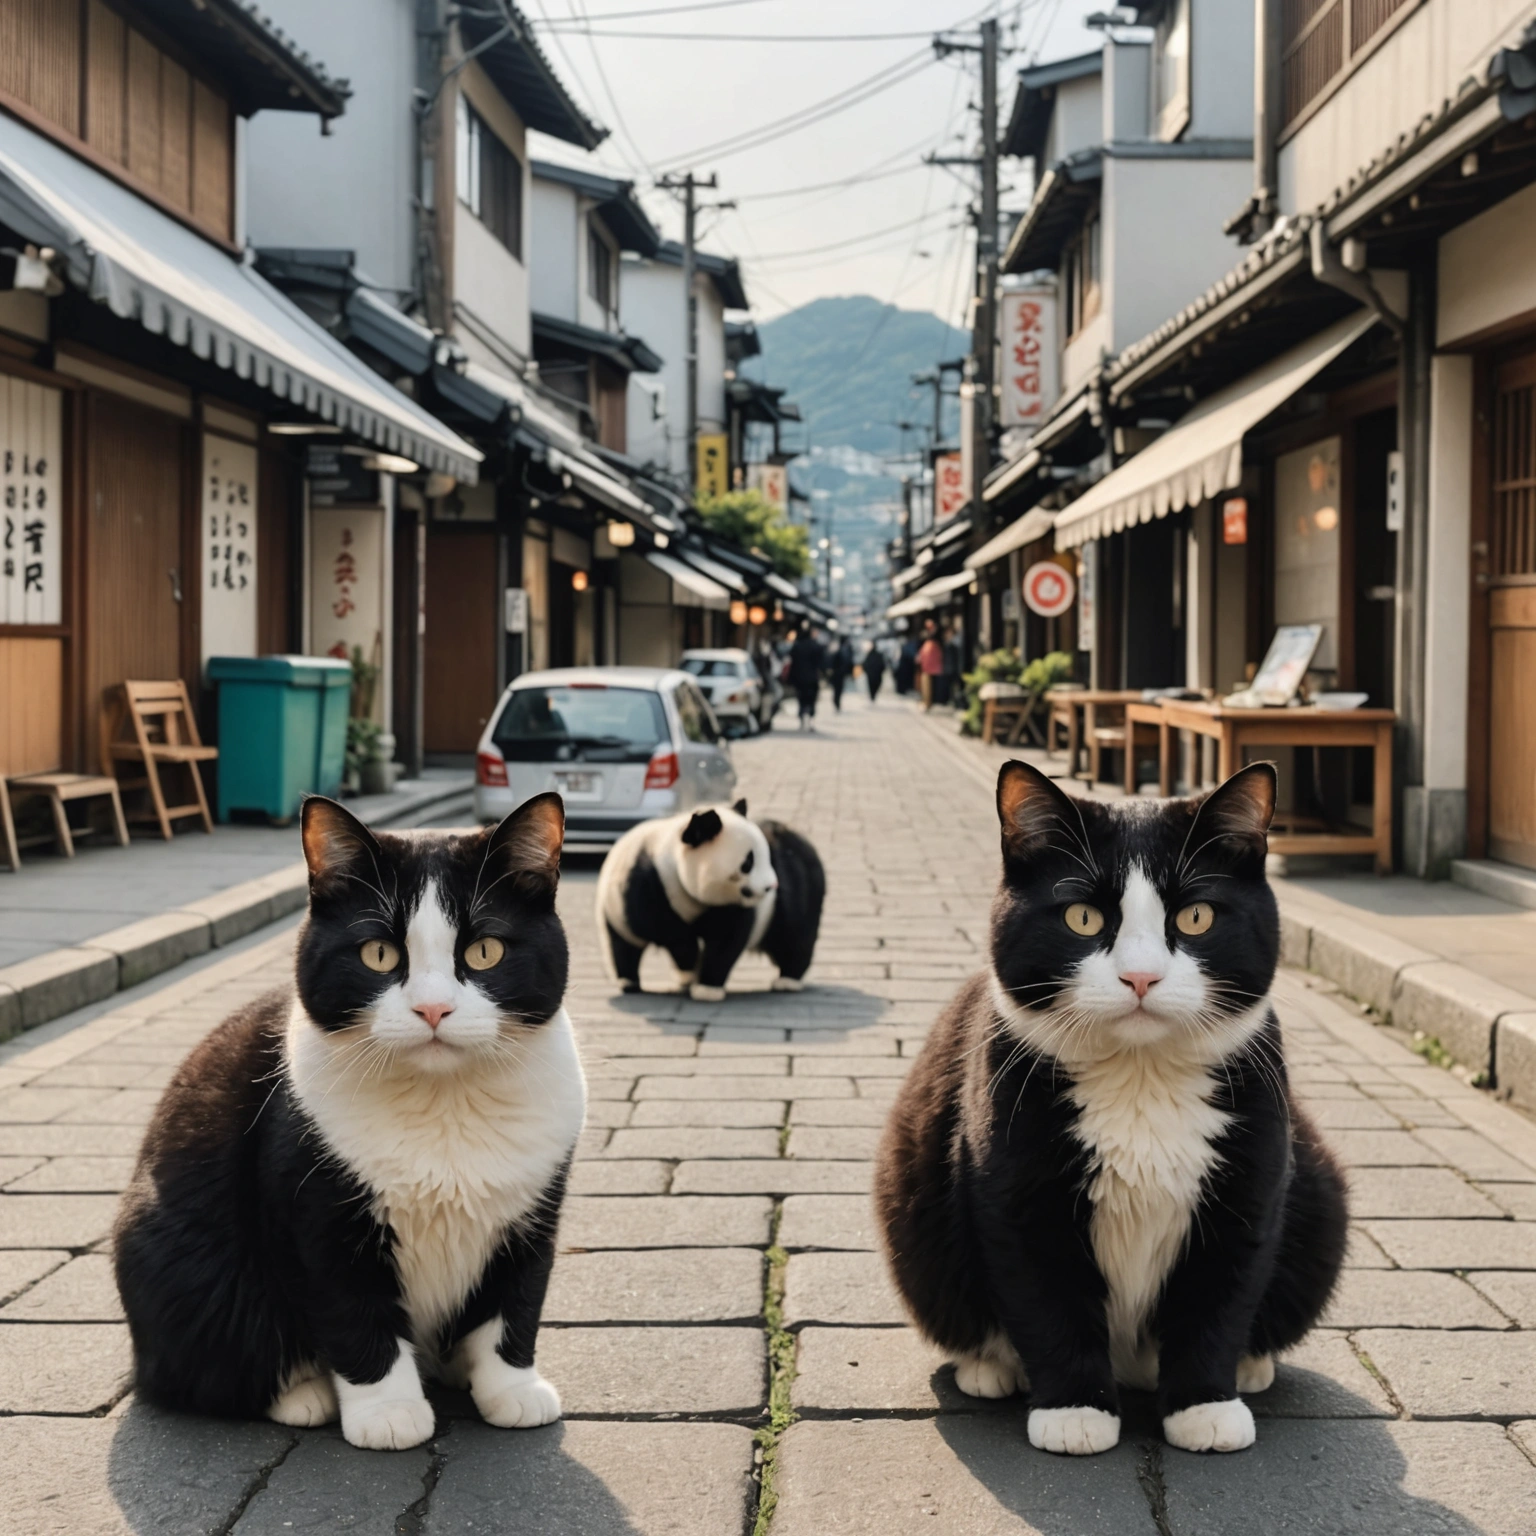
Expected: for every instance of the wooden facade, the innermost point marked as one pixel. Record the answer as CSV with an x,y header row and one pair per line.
x,y
132,103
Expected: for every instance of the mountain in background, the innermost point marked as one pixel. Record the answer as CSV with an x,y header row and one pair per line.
x,y
847,363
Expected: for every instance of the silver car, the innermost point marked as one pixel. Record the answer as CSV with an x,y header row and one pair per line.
x,y
731,682
619,744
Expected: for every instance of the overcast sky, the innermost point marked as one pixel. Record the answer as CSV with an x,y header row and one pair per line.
x,y
693,91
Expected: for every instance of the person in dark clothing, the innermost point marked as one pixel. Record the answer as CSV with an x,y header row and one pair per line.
x,y
839,670
807,661
906,665
874,670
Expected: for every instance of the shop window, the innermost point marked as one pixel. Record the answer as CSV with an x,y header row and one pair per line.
x,y
490,179
1081,274
1307,518
1321,41
1170,71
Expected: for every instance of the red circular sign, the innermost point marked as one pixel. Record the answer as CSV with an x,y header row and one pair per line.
x,y
1049,589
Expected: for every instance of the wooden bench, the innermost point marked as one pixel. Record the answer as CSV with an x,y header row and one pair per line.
x,y
60,789
152,724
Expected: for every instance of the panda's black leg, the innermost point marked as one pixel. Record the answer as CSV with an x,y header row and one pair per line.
x,y
726,932
626,960
685,956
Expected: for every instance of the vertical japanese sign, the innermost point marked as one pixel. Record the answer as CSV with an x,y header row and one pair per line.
x,y
229,547
950,492
714,470
1028,355
346,580
31,520
1087,584
771,481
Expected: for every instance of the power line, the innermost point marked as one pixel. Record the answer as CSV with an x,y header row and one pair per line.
x,y
613,100
736,37
838,245
669,10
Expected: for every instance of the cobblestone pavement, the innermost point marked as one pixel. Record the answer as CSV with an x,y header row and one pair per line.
x,y
719,1326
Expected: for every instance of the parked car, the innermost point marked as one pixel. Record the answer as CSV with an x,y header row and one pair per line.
x,y
732,684
620,744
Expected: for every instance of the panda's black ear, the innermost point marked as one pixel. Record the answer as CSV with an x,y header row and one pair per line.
x,y
740,807
702,827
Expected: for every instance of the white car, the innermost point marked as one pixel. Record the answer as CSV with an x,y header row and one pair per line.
x,y
732,684
619,744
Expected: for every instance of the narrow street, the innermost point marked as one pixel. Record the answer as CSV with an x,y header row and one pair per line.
x,y
719,1326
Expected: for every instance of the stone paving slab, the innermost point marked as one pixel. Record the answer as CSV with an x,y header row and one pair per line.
x,y
777,1176
20,1268
971,1474
639,1176
583,1479
839,1288
682,1285
1370,1479
1429,1192
323,1484
55,1221
82,1291
1457,1244
62,1368
1471,1375
673,1221
827,1221
1408,1298
658,1370
1513,1292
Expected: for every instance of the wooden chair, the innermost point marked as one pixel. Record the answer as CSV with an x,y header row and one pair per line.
x,y
60,789
1111,738
153,724
1062,712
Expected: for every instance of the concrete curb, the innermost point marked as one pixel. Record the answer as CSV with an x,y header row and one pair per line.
x,y
1489,1027
43,987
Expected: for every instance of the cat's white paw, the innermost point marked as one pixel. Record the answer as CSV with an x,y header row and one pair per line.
x,y
704,994
788,984
1073,1431
307,1404
387,1424
1225,1426
517,1399
982,1376
1255,1373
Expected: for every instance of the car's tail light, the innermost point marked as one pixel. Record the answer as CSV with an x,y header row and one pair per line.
x,y
661,772
491,769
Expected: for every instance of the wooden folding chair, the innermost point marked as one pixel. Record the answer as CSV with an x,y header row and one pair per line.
x,y
60,789
153,724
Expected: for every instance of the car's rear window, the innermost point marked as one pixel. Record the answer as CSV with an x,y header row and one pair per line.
x,y
584,725
709,666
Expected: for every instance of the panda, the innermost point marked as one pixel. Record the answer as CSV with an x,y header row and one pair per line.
x,y
706,886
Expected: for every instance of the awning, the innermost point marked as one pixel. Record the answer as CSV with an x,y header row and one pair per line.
x,y
928,597
781,585
717,572
696,584
1203,455
1035,524
144,266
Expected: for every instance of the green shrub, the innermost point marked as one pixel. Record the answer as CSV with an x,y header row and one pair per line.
x,y
1008,667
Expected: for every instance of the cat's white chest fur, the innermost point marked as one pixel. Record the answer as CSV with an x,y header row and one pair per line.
x,y
1150,1130
452,1159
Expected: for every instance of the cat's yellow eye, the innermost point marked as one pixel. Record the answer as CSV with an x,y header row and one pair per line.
x,y
379,955
1085,920
1195,919
482,954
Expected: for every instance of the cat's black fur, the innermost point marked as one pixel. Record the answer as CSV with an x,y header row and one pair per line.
x,y
983,1191
243,1248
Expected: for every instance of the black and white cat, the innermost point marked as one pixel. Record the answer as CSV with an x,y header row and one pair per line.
x,y
352,1185
1095,1173
706,887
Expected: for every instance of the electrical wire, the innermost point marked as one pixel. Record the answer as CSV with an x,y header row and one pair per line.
x,y
838,245
737,37
670,10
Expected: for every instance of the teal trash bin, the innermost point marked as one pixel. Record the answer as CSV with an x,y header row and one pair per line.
x,y
282,730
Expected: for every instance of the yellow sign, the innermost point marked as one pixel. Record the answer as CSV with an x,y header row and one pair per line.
x,y
713,476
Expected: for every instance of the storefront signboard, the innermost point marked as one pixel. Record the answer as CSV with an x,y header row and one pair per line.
x,y
1049,589
771,482
1087,573
347,581
229,547
31,533
714,470
950,492
1028,360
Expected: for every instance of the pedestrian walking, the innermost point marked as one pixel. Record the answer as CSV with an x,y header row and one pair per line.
x,y
874,670
839,670
807,661
930,664
906,666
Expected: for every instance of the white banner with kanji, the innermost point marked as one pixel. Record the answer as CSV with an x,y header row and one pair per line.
x,y
229,547
1027,362
31,517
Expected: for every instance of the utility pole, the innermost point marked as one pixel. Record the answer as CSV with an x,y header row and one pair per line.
x,y
689,186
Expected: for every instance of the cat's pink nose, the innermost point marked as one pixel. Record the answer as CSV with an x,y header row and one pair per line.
x,y
433,1013
1140,981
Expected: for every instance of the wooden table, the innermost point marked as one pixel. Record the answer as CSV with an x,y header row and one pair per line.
x,y
1080,728
1235,729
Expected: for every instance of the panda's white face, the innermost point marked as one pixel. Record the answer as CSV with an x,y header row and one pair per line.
x,y
726,863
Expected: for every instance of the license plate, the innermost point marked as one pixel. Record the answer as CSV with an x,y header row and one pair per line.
x,y
576,783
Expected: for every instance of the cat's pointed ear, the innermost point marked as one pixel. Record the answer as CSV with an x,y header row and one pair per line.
x,y
703,826
1032,809
1238,812
740,807
527,843
336,844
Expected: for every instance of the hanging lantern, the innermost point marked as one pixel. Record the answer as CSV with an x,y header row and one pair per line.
x,y
738,612
757,614
621,535
579,580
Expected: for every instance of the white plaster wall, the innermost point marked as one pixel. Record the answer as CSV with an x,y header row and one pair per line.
x,y
1081,355
589,311
554,258
1078,121
353,188
1448,573
1127,92
651,305
1419,68
1486,271
1220,70
712,362
1163,244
